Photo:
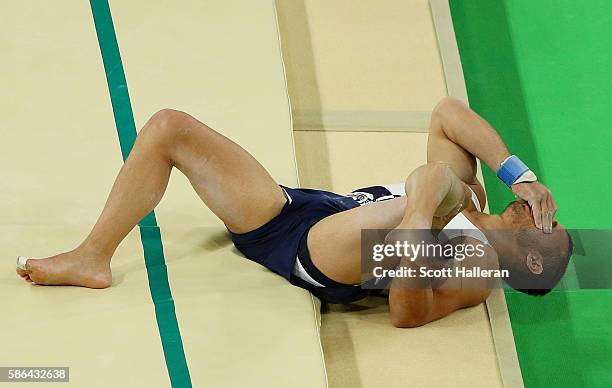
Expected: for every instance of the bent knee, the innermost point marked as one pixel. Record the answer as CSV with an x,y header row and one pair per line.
x,y
168,119
165,127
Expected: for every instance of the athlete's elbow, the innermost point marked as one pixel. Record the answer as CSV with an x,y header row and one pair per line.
x,y
444,113
408,317
408,322
447,105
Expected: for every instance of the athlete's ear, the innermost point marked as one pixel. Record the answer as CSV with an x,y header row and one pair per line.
x,y
534,262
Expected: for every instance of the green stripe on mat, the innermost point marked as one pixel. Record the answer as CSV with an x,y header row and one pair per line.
x,y
157,271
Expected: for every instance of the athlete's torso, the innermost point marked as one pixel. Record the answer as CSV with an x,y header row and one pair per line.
x,y
334,242
376,194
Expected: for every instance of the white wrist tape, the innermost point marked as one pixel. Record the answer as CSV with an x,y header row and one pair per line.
x,y
528,176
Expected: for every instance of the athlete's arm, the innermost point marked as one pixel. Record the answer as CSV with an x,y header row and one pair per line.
x,y
432,190
458,136
427,305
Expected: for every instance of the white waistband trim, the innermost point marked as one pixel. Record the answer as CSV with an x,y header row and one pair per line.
x,y
300,272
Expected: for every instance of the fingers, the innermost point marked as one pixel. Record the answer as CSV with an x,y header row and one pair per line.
x,y
542,204
552,205
549,209
536,210
547,216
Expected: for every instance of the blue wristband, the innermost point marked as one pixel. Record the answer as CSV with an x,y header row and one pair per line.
x,y
511,170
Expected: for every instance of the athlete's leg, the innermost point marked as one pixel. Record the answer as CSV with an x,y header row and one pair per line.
x,y
227,178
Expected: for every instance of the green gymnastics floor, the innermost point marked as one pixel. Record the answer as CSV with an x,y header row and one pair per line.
x,y
539,71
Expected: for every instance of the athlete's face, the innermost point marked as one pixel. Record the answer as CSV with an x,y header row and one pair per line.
x,y
517,215
524,245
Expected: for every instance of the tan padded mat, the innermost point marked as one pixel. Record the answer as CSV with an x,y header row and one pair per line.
x,y
240,324
234,314
59,157
361,56
362,348
365,58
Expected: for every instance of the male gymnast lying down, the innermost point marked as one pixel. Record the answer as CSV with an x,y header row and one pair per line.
x,y
312,237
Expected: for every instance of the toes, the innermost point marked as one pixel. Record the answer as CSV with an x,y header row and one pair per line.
x,y
22,272
25,275
33,271
32,265
36,278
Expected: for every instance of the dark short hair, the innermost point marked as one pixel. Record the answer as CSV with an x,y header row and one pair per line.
x,y
555,265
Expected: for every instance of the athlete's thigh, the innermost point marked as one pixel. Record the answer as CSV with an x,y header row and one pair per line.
x,y
334,243
230,181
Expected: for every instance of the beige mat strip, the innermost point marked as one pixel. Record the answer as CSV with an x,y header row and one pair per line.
x,y
451,61
361,120
503,338
234,315
59,158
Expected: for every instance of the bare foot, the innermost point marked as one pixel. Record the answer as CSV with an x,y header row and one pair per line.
x,y
68,269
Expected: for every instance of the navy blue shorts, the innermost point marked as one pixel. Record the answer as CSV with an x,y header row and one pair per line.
x,y
277,244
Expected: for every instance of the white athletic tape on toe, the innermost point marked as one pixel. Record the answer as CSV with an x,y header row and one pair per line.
x,y
21,262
